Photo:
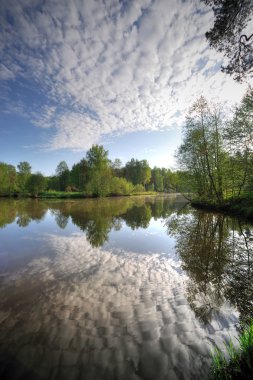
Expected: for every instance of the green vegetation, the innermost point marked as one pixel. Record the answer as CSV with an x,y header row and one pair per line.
x,y
236,363
97,217
94,176
217,156
62,194
231,36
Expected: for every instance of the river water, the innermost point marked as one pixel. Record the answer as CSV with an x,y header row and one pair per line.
x,y
123,288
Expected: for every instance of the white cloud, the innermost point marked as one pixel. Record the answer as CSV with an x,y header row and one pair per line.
x,y
111,67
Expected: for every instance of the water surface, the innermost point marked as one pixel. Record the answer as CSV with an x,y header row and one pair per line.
x,y
123,288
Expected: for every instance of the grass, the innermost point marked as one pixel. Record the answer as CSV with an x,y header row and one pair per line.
x,y
61,194
235,363
53,194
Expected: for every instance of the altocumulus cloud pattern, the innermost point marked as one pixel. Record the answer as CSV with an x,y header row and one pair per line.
x,y
86,69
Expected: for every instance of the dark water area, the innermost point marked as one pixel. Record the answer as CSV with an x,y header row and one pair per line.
x,y
123,288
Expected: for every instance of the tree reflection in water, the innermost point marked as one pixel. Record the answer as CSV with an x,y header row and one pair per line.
x,y
95,217
216,253
69,308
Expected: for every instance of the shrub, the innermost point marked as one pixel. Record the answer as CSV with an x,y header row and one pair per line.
x,y
120,186
138,188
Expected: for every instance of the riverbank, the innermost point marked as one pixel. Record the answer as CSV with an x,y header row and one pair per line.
x,y
242,207
80,195
235,363
72,195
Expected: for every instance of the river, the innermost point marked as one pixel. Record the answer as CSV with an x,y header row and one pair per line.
x,y
134,288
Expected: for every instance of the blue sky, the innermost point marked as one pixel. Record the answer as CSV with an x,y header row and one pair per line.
x,y
119,73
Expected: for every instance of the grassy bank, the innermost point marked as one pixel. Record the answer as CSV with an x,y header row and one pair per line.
x,y
72,195
242,206
76,195
235,363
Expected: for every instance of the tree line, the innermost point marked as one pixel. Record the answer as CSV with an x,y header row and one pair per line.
x,y
217,153
95,175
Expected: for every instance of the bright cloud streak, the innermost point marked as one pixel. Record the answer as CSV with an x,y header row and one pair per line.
x,y
108,67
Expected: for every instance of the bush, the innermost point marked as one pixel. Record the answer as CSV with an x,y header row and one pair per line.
x,y
139,188
99,184
120,186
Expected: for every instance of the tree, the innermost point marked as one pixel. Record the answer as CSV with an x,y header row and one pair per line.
x,y
116,166
24,171
36,183
99,183
120,186
201,153
7,178
79,174
157,179
97,157
229,35
62,172
239,141
99,171
138,172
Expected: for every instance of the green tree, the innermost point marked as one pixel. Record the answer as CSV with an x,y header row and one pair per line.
x,y
201,154
229,36
62,172
79,174
99,183
157,179
116,166
239,142
97,158
138,172
99,171
36,183
7,179
24,172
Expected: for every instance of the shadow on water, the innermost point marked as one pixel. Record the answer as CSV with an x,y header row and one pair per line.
x,y
76,309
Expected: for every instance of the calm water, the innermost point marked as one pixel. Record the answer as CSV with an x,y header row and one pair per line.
x,y
126,288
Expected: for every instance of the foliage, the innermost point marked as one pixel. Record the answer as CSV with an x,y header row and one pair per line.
x,y
99,172
24,172
138,189
97,158
116,167
201,154
62,174
99,183
36,183
216,156
79,174
7,179
229,35
239,144
138,172
157,179
95,176
238,362
61,194
120,186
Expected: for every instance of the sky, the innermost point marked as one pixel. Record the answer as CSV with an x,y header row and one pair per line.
x,y
119,73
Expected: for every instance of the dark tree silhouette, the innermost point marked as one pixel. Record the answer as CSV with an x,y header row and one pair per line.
x,y
230,36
